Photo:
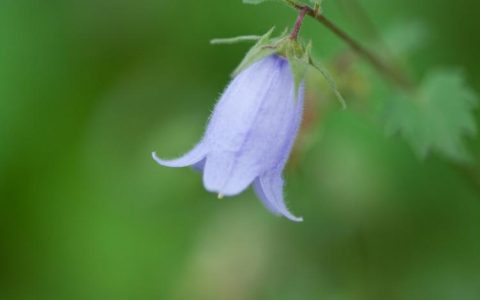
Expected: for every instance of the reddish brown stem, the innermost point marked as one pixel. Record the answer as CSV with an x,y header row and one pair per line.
x,y
298,23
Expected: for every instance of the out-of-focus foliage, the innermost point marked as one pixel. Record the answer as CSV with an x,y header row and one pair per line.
x,y
438,117
406,37
89,88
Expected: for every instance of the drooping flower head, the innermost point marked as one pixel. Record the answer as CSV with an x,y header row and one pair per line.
x,y
254,125
250,135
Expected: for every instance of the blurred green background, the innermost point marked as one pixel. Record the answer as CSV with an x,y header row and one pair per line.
x,y
88,88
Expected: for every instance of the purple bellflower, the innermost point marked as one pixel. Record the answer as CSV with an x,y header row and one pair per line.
x,y
250,135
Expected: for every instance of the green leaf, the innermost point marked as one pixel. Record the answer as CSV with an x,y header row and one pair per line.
x,y
437,117
263,48
235,40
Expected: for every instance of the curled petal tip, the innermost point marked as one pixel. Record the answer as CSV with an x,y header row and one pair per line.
x,y
269,190
193,157
155,157
158,160
287,214
295,219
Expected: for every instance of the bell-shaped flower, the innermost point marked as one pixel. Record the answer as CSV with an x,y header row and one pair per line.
x,y
250,135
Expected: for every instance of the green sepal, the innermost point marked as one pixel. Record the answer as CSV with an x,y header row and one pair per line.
x,y
264,47
317,6
300,58
259,1
235,40
331,82
297,57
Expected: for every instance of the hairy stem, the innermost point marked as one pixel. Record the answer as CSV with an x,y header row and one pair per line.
x,y
298,23
389,72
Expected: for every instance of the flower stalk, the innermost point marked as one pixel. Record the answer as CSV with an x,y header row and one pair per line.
x,y
392,74
298,23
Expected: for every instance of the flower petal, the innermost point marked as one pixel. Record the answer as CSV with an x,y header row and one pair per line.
x,y
270,205
218,166
199,166
194,156
255,116
250,97
293,130
226,175
269,189
242,175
